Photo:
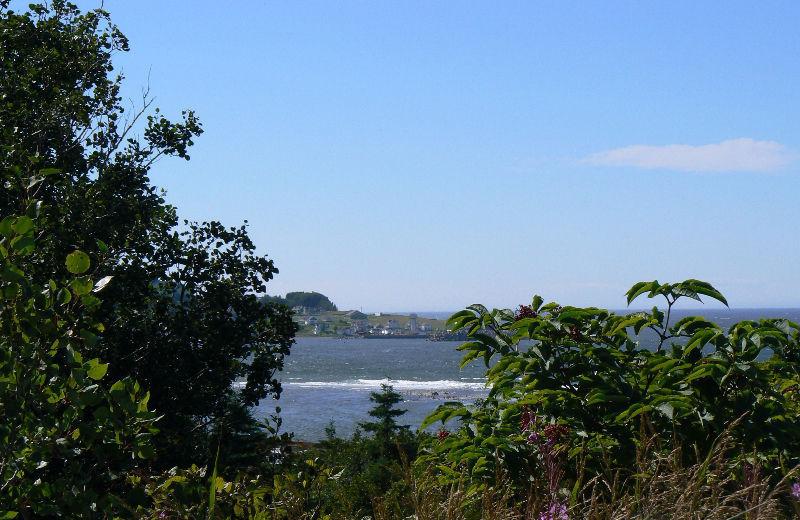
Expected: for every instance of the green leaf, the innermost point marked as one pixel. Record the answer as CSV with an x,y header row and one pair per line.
x,y
63,296
77,262
23,225
97,370
640,288
23,244
82,285
6,225
212,490
704,288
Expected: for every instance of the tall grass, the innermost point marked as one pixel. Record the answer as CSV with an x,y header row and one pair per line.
x,y
660,486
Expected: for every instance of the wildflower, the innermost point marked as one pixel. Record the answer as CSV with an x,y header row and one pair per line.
x,y
534,438
575,333
554,432
796,490
525,311
442,434
555,511
527,420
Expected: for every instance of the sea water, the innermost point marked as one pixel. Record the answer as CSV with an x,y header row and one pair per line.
x,y
329,380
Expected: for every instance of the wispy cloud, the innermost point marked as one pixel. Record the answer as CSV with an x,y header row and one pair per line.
x,y
734,155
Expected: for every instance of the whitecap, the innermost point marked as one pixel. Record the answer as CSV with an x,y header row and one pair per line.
x,y
400,385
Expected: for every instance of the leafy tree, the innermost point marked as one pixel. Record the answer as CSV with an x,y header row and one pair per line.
x,y
67,435
182,316
311,300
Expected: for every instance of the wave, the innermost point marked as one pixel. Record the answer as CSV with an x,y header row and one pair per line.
x,y
397,384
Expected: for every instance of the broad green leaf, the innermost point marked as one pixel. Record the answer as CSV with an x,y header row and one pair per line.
x,y
77,262
82,285
640,288
23,244
6,225
704,288
97,370
23,225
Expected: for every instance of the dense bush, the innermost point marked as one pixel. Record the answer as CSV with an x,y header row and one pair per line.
x,y
573,390
67,435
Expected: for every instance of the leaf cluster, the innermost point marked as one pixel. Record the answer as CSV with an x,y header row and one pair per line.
x,y
587,369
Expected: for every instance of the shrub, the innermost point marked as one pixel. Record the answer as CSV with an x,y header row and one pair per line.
x,y
67,436
585,369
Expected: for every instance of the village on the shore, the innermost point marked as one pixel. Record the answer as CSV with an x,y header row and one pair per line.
x,y
314,322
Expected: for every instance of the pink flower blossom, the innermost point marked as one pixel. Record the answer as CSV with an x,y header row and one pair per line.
x,y
555,511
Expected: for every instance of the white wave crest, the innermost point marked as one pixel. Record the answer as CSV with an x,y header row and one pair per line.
x,y
401,385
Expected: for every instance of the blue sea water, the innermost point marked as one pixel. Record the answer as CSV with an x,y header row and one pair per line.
x,y
329,379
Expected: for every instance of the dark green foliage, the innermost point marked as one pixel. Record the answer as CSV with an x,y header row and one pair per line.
x,y
182,315
365,468
583,368
311,300
67,435
385,427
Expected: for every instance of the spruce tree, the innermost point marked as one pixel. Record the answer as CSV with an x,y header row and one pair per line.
x,y
385,426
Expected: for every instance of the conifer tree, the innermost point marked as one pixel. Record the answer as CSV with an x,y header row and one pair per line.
x,y
385,426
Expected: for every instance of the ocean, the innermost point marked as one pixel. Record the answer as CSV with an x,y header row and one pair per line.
x,y
328,380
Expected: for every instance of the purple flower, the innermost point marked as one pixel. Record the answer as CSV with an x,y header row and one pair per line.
x,y
527,420
796,490
555,511
534,438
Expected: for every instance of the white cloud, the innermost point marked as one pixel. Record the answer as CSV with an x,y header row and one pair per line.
x,y
734,155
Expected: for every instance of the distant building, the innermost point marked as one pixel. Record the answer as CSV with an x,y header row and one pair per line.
x,y
356,315
345,331
320,327
412,323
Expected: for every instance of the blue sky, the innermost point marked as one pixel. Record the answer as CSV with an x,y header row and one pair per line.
x,y
428,155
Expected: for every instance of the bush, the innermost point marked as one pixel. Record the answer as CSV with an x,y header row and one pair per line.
x,y
67,435
578,381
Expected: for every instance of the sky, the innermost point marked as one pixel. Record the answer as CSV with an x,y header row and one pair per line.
x,y
429,155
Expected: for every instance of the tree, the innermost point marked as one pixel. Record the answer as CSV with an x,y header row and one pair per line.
x,y
182,316
311,300
67,436
385,427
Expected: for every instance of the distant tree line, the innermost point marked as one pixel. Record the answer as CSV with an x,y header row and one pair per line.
x,y
309,300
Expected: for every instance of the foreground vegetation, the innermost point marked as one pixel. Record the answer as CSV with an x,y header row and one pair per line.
x,y
122,331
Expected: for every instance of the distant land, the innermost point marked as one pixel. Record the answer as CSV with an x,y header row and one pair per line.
x,y
317,315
